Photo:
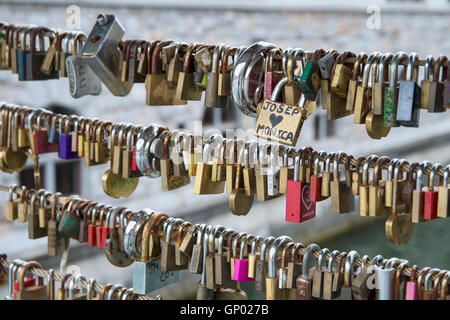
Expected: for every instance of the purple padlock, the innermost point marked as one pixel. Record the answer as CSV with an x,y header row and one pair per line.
x,y
241,264
65,141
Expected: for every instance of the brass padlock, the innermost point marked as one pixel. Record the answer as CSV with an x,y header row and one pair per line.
x,y
203,183
35,292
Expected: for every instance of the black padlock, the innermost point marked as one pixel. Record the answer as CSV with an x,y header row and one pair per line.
x,y
408,110
35,58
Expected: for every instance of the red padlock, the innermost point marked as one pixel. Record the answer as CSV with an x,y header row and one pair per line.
x,y
430,205
40,138
100,226
299,207
92,229
134,166
106,226
29,281
316,178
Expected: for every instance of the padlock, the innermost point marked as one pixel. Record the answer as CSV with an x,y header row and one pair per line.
x,y
34,230
65,140
82,80
34,292
363,92
316,178
374,122
212,98
135,52
299,207
342,198
384,277
380,84
23,50
168,259
408,111
377,191
40,135
364,187
304,282
428,284
391,93
241,265
273,292
261,265
210,260
76,293
327,291
318,276
11,206
310,79
186,88
222,274
443,196
203,183
291,89
418,196
101,53
436,88
272,72
430,206
35,59
426,82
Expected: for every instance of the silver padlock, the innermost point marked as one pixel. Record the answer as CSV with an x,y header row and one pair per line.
x,y
273,173
148,277
82,80
384,279
101,53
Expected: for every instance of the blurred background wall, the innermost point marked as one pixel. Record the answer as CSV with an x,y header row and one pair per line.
x,y
420,26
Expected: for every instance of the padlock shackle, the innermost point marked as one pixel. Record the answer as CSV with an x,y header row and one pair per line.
x,y
235,242
267,241
434,170
441,62
255,243
244,246
322,254
393,75
429,63
309,249
205,253
280,241
331,260
384,61
390,171
212,237
420,172
411,69
222,236
348,268
26,267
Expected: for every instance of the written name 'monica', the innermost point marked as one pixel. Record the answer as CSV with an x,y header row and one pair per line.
x,y
279,122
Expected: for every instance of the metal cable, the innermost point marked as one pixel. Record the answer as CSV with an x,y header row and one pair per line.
x,y
406,271
108,128
59,277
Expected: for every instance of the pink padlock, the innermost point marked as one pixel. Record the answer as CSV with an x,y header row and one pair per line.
x,y
241,264
411,285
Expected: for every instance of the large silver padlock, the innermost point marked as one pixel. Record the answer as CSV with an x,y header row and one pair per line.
x,y
101,53
148,277
82,80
